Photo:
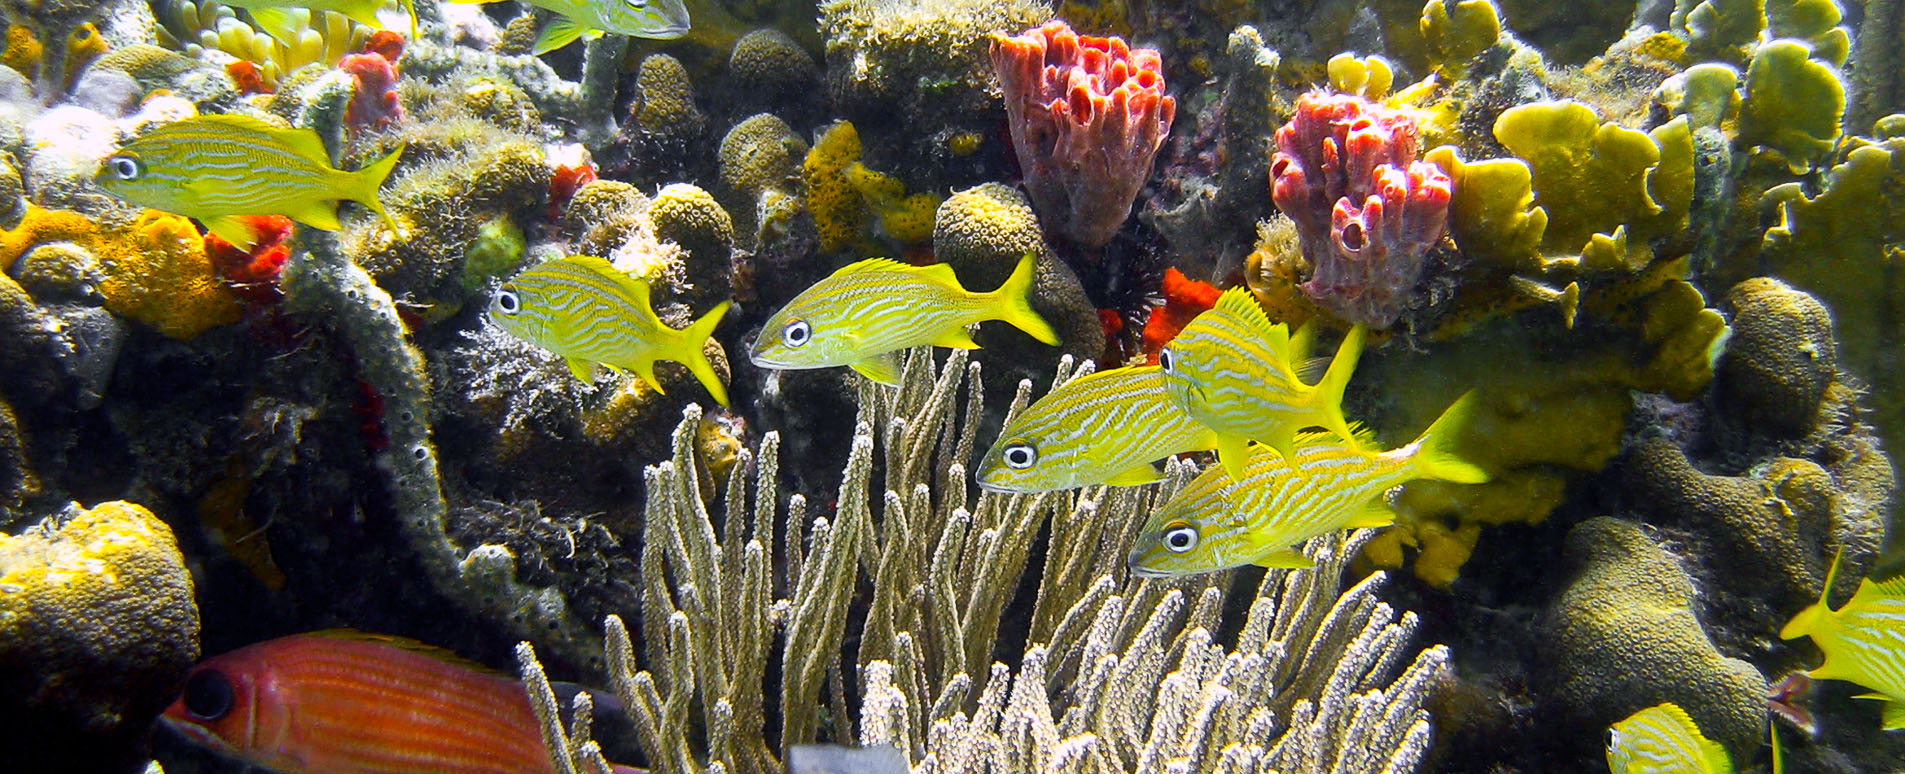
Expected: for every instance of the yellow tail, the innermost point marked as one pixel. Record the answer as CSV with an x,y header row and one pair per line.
x,y
1808,621
686,349
1014,299
1328,396
1436,456
371,178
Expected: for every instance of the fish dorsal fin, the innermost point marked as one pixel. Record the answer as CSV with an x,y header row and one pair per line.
x,y
408,645
635,290
1894,588
1678,717
303,142
1362,435
1239,302
280,23
938,272
1301,342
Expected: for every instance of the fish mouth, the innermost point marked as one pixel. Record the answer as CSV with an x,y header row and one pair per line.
x,y
1138,570
994,488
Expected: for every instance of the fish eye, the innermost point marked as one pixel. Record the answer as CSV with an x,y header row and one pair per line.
x,y
125,167
507,302
796,333
208,695
1019,456
1167,361
1613,739
1180,538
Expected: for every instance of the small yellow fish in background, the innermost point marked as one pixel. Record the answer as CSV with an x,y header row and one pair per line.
x,y
1864,641
1663,740
1322,486
1240,375
589,19
282,18
866,310
584,309
218,167
1105,427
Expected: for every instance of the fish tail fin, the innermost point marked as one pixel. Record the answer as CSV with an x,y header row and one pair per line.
x,y
687,350
371,178
410,9
1329,391
1809,620
1014,302
365,13
1436,456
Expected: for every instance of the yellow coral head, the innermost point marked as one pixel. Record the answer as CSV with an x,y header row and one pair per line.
x,y
1809,620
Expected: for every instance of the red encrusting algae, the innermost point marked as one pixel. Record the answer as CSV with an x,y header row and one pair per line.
x,y
374,79
253,274
1184,300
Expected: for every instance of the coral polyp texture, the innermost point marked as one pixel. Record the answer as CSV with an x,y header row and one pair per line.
x,y
1087,115
1367,212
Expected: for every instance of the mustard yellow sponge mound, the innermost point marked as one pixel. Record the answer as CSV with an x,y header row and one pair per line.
x,y
97,627
154,270
839,215
1624,636
983,230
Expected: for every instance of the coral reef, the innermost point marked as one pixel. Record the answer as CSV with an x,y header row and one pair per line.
x,y
1309,663
1366,211
1626,637
760,175
97,628
1087,115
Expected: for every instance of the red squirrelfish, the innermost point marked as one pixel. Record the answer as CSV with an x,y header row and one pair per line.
x,y
348,703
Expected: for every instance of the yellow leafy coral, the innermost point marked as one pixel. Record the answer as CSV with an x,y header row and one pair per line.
x,y
154,269
845,197
1793,105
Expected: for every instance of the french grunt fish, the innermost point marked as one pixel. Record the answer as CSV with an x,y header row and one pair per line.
x,y
1241,376
1323,485
867,310
281,19
589,19
353,703
1863,641
218,168
586,310
1105,427
1662,739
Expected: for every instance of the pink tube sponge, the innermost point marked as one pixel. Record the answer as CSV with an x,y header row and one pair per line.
x,y
1366,211
1087,115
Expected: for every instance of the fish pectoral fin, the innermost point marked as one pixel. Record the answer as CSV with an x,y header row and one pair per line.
x,y
316,214
645,371
584,370
884,369
560,31
1234,452
233,229
1136,476
280,23
1288,558
955,338
1891,711
1374,513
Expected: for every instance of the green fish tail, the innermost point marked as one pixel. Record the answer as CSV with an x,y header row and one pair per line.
x,y
1329,391
371,178
685,348
1436,456
1015,298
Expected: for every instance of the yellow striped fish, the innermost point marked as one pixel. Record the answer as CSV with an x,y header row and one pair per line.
x,y
282,20
1104,427
588,19
866,310
1864,641
1323,485
584,309
1663,740
217,167
1237,373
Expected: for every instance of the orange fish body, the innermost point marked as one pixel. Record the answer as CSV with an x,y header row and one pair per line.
x,y
330,704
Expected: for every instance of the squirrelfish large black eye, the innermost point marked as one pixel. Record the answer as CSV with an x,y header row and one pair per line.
x,y
507,303
208,694
1166,360
796,333
125,167
1019,456
1177,540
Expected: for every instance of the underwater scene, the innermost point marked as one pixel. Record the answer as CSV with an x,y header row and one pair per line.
x,y
951,386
